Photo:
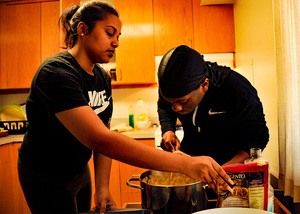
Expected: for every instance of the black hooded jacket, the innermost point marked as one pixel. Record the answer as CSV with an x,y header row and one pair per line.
x,y
228,119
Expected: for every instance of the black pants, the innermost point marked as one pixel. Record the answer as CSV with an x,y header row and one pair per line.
x,y
55,194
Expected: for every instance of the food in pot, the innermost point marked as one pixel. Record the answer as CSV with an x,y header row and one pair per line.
x,y
172,179
180,153
165,199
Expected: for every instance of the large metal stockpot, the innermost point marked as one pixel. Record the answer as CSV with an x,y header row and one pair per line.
x,y
170,199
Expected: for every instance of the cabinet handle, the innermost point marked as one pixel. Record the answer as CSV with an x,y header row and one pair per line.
x,y
190,43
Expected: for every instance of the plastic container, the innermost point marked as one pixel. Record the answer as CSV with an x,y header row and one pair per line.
x,y
141,111
256,156
131,116
141,115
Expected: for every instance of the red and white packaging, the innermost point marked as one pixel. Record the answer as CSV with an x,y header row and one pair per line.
x,y
250,189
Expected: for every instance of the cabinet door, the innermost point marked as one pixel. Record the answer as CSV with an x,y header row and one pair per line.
x,y
6,189
114,182
208,29
12,198
30,34
3,71
50,43
6,186
173,24
23,46
135,55
19,202
213,28
130,194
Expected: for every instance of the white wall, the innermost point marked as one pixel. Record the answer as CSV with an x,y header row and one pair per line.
x,y
255,59
7,99
123,98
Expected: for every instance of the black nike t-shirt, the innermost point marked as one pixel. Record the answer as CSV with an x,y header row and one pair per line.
x,y
61,84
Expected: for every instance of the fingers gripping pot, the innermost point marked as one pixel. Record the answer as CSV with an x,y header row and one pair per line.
x,y
170,199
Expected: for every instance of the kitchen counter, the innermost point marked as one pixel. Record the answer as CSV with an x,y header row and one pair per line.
x,y
136,134
11,139
141,134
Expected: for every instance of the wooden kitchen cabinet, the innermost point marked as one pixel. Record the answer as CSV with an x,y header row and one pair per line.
x,y
50,32
35,21
120,173
30,34
22,43
213,28
12,198
114,182
173,24
207,29
135,55
6,186
130,194
19,200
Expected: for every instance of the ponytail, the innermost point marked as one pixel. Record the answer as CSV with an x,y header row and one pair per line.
x,y
64,23
88,13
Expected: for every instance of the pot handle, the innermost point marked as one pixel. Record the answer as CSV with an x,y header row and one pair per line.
x,y
133,185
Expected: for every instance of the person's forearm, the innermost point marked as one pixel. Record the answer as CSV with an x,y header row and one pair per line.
x,y
167,117
102,166
141,155
238,158
95,135
91,132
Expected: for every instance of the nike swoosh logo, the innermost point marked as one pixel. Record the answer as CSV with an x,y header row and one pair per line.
x,y
103,107
210,112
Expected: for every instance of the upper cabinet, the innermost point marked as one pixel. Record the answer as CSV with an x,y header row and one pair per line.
x,y
23,43
213,28
173,24
208,29
135,55
50,39
29,34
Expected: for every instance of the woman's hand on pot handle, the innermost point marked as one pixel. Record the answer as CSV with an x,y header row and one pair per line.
x,y
207,170
170,142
